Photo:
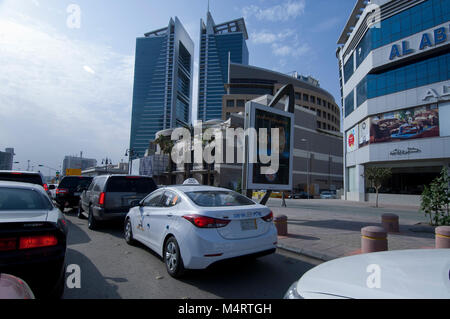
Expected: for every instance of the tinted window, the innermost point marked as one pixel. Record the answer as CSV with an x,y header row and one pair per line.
x,y
22,199
218,198
24,178
153,200
73,182
132,184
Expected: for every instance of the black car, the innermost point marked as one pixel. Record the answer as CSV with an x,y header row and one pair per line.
x,y
301,195
110,197
23,177
33,236
69,190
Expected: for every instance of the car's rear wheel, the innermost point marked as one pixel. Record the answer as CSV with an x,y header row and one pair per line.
x,y
92,223
172,258
128,233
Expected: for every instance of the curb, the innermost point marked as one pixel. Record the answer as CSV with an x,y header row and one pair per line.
x,y
308,252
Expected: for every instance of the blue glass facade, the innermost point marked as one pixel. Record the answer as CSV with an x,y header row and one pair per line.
x,y
162,84
215,52
421,17
416,73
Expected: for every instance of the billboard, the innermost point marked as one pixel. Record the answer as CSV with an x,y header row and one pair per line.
x,y
263,117
352,139
73,171
364,132
405,124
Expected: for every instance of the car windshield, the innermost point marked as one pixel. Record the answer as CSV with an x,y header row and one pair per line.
x,y
73,182
131,184
24,178
218,198
22,199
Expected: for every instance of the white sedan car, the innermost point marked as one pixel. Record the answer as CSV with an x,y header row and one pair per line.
x,y
398,274
193,226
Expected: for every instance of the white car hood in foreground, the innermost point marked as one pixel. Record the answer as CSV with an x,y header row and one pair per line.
x,y
406,274
23,216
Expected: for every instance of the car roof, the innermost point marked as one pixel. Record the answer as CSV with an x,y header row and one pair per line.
x,y
13,184
21,172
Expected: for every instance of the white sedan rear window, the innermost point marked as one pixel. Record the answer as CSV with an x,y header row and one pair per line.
x,y
218,198
22,199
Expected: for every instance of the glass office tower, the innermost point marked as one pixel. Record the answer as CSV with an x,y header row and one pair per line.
x,y
395,85
219,44
163,76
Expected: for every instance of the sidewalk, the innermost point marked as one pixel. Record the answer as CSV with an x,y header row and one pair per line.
x,y
329,229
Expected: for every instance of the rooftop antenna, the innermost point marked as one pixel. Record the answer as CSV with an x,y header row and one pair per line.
x,y
208,5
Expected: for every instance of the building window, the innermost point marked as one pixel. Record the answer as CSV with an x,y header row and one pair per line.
x,y
313,99
349,103
313,109
361,92
436,69
240,103
348,69
230,103
298,96
318,124
319,113
305,97
319,101
324,115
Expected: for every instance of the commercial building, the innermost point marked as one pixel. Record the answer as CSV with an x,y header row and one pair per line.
x,y
249,82
75,162
7,159
220,44
162,83
394,66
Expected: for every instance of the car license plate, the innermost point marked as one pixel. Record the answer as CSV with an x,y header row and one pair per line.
x,y
77,194
248,224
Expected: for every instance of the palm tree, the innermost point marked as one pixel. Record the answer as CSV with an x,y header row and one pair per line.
x,y
166,144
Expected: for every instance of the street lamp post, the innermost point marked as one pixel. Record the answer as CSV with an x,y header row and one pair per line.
x,y
307,165
106,161
130,153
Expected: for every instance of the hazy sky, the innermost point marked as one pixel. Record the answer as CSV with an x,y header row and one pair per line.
x,y
66,84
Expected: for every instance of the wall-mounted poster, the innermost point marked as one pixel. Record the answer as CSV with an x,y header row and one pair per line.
x,y
352,139
364,132
406,124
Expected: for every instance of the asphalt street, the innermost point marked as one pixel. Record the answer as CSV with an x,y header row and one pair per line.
x,y
112,269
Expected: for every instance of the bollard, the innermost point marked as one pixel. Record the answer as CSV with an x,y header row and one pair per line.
x,y
390,223
373,238
442,237
280,222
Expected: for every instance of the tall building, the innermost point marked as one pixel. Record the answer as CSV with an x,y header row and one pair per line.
x,y
394,66
162,83
6,159
78,163
220,44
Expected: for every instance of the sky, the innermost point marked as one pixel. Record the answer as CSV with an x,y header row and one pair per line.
x,y
67,67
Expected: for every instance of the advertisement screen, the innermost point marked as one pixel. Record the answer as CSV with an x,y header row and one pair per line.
x,y
406,124
264,117
352,139
364,132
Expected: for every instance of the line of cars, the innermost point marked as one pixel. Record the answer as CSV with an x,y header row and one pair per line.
x,y
189,226
33,233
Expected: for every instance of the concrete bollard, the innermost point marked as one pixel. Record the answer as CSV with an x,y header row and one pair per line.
x,y
442,237
390,223
373,238
280,222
